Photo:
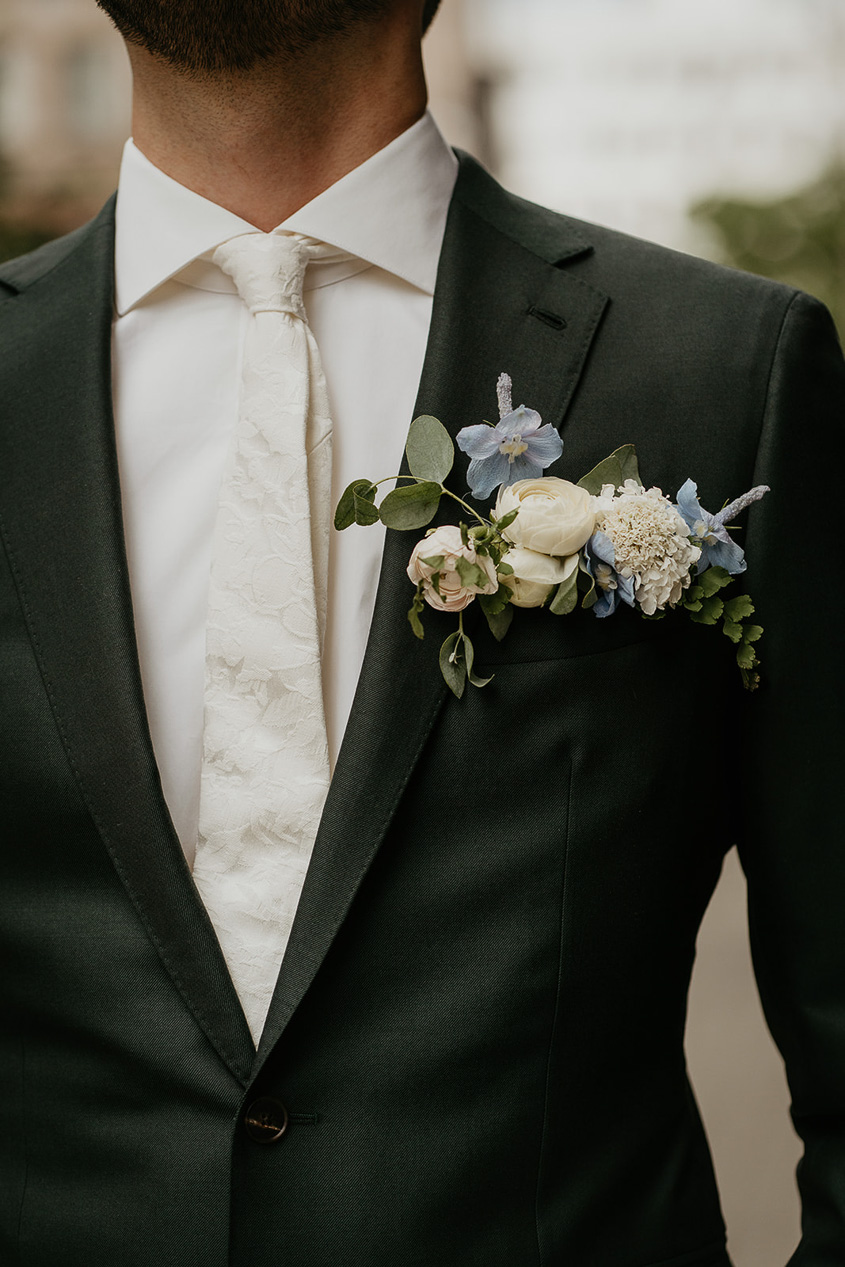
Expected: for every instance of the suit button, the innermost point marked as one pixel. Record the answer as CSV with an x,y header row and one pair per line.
x,y
266,1120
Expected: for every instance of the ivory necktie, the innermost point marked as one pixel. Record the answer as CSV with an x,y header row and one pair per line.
x,y
265,770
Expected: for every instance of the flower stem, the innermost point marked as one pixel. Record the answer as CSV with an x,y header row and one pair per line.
x,y
461,502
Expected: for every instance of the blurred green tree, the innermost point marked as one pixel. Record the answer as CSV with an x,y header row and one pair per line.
x,y
799,239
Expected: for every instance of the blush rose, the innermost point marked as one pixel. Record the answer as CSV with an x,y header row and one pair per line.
x,y
442,586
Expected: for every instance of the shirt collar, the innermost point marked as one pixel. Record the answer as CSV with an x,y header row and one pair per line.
x,y
391,212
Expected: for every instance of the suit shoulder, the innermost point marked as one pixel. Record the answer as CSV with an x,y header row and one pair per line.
x,y
613,261
25,270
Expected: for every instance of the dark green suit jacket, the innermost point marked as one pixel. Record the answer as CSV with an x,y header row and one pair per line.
x,y
478,1026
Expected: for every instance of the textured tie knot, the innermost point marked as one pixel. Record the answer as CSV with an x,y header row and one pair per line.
x,y
268,270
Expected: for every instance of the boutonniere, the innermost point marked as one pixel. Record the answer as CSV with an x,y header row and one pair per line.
x,y
605,542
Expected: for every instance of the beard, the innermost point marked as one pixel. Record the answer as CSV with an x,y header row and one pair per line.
x,y
203,36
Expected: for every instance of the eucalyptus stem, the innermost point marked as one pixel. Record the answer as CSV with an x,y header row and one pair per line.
x,y
484,523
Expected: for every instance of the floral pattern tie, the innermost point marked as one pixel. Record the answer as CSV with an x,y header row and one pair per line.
x,y
265,771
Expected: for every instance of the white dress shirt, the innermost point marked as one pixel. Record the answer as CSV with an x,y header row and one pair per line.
x,y
178,334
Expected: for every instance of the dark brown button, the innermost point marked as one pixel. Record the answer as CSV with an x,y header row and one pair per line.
x,y
266,1120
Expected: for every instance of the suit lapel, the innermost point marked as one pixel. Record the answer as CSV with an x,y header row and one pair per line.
x,y
499,305
63,530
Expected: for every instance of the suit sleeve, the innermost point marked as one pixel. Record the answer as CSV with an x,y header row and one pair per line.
x,y
792,774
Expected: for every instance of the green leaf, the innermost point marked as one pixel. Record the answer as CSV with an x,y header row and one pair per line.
x,y
430,451
434,561
416,611
692,595
738,608
452,664
366,512
345,514
413,506
492,604
469,652
622,465
566,598
586,586
745,657
713,580
499,619
732,631
506,520
753,633
711,611
470,573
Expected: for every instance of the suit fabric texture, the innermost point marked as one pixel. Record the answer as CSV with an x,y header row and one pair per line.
x,y
478,1025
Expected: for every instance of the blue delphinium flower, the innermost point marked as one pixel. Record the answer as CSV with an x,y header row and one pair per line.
x,y
600,558
718,548
519,447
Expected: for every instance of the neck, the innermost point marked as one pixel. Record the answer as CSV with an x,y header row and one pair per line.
x,y
263,143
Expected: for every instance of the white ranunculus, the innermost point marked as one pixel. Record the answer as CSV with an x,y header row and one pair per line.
x,y
555,517
442,586
535,575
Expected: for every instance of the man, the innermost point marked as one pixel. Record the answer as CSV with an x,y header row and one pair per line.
x,y
473,1053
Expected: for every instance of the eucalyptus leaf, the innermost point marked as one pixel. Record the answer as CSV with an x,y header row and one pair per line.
x,y
430,451
412,506
469,652
416,611
452,664
586,586
366,512
622,465
566,598
499,621
344,516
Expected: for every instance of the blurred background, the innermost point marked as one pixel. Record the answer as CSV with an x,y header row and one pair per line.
x,y
712,126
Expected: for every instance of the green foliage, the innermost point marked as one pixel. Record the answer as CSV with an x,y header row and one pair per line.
x,y
498,611
622,465
411,506
356,505
456,663
430,451
566,598
799,239
416,611
586,585
705,607
470,573
505,521
709,611
738,608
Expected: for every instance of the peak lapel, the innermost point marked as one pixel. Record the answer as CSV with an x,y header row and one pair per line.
x,y
61,520
499,305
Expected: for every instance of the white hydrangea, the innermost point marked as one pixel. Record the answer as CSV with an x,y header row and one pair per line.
x,y
651,543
